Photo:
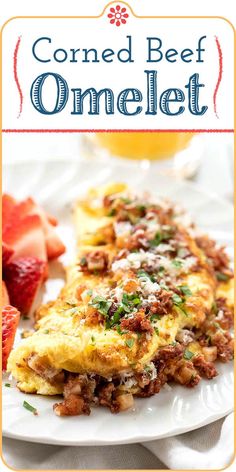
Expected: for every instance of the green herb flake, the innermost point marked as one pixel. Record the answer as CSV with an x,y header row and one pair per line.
x,y
116,317
83,261
119,330
156,330
112,212
177,300
155,317
143,274
30,408
222,277
7,385
177,263
214,307
182,252
126,200
72,303
156,241
141,208
129,342
129,301
159,238
185,290
101,304
188,355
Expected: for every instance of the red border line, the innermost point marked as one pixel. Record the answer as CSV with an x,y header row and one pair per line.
x,y
15,63
118,130
220,55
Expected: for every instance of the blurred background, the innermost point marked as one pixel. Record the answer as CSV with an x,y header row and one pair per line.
x,y
205,158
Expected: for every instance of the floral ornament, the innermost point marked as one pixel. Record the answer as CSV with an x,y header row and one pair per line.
x,y
118,15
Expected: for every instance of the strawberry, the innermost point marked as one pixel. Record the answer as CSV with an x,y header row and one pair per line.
x,y
54,246
5,296
23,277
10,320
8,204
7,252
26,237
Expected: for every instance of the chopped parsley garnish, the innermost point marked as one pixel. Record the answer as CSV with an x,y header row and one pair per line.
x,y
112,212
72,303
93,339
214,307
29,407
155,317
119,330
182,252
101,304
188,355
141,208
178,302
177,263
129,343
7,385
126,200
185,290
116,317
222,277
130,300
142,274
128,303
159,238
83,261
156,330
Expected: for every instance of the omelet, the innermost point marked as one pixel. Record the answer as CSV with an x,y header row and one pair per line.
x,y
148,300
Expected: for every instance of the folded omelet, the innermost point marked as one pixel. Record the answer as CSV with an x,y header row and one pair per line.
x,y
147,300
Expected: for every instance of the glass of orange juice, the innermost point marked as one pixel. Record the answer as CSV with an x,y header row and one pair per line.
x,y
174,150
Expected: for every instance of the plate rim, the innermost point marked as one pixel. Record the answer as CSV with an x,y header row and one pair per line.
x,y
135,439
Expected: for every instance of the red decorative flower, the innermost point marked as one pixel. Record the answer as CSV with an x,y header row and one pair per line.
x,y
118,15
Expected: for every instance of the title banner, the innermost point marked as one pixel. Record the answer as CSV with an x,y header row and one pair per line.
x,y
118,71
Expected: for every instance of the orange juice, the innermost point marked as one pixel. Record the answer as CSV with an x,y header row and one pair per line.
x,y
143,145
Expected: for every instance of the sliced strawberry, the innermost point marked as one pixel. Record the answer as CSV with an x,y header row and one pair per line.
x,y
8,204
54,245
26,237
7,252
23,278
10,320
5,296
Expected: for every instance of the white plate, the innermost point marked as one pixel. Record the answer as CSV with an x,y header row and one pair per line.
x,y
56,185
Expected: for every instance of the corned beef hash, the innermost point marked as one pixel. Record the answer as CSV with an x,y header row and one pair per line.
x,y
149,300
